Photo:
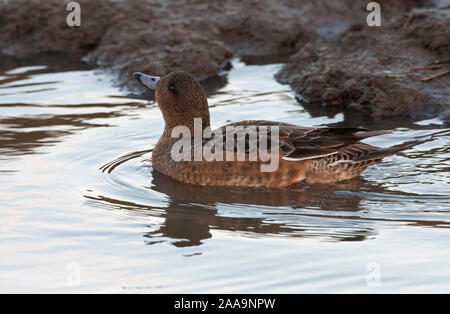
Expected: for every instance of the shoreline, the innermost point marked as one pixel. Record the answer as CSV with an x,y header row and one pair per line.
x,y
334,58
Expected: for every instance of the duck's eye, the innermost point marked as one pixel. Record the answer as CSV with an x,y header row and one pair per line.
x,y
172,88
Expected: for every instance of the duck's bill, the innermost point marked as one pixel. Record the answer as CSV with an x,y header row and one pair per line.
x,y
147,80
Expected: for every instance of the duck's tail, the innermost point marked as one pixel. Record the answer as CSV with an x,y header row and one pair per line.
x,y
380,153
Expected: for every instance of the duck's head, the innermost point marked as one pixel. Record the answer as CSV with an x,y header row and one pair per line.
x,y
180,98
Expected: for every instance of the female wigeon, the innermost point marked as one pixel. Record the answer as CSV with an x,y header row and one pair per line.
x,y
314,155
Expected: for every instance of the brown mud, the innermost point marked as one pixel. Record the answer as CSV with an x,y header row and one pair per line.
x,y
378,70
335,58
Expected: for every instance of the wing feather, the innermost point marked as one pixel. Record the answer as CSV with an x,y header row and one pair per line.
x,y
300,143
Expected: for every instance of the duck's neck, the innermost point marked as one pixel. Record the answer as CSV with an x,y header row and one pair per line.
x,y
195,126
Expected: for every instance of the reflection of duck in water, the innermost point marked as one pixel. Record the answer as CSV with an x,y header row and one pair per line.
x,y
192,212
331,212
316,155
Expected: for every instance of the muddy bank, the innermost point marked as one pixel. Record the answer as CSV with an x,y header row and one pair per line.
x,y
378,70
336,59
153,36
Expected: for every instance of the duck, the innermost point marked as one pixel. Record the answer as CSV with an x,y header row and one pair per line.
x,y
315,155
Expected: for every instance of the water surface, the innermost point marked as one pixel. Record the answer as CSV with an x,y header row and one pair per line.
x,y
81,209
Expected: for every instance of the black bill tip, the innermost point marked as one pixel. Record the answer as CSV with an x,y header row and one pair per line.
x,y
138,76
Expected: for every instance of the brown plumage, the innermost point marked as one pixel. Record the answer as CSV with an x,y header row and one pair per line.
x,y
315,155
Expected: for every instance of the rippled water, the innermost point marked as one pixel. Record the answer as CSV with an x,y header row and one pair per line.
x,y
83,211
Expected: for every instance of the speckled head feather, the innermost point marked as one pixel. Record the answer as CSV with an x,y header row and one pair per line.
x,y
181,99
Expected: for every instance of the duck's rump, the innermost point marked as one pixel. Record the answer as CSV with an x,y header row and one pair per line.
x,y
346,163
